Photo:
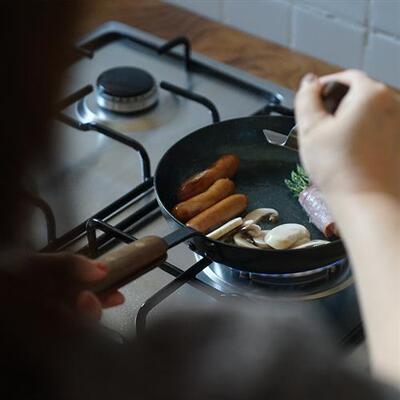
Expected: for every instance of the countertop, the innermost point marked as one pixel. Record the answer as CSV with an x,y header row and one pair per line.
x,y
215,40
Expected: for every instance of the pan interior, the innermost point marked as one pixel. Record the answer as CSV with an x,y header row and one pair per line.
x,y
262,171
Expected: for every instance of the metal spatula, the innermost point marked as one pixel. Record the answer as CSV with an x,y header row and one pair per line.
x,y
332,94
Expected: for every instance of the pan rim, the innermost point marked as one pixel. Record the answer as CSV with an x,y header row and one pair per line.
x,y
310,250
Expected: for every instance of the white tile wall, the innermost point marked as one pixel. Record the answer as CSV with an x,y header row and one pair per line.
x,y
330,39
268,19
382,59
353,10
349,33
385,15
208,8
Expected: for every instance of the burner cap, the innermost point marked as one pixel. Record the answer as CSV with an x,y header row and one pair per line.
x,y
125,82
126,90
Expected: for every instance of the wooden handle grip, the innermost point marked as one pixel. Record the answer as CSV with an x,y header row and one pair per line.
x,y
127,263
332,94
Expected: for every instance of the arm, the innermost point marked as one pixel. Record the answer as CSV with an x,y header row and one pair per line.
x,y
354,158
370,228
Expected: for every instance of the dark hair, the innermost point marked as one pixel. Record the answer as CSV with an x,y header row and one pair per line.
x,y
35,43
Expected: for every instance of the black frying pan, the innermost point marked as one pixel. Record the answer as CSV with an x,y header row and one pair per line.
x,y
261,175
263,168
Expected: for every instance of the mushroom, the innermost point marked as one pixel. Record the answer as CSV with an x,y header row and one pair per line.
x,y
261,213
226,228
286,235
257,235
260,240
241,241
301,241
248,222
311,243
252,230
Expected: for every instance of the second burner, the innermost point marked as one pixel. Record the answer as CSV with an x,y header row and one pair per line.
x,y
126,90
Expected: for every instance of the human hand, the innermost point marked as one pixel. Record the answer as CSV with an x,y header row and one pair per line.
x,y
63,277
357,149
354,158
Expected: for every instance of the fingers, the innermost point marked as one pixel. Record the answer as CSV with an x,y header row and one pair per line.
x,y
361,85
64,266
88,305
85,270
91,306
365,94
349,77
309,109
112,299
62,277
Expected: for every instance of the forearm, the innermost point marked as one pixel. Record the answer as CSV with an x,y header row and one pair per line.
x,y
370,227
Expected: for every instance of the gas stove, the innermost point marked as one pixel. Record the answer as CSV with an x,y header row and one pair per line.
x,y
128,97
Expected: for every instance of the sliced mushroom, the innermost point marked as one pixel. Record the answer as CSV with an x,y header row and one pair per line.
x,y
252,230
301,241
312,243
262,213
248,222
260,240
286,235
241,241
225,229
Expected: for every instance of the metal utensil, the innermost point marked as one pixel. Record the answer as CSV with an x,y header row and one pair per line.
x,y
279,139
331,95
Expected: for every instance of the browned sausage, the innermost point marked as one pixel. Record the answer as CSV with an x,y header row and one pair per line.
x,y
225,167
219,190
219,213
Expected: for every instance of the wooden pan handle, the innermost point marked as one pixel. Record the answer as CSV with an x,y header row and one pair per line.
x,y
332,94
127,263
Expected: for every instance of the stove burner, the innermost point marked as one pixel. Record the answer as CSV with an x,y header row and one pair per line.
x,y
300,280
316,283
126,90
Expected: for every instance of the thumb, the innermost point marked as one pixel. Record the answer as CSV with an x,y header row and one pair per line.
x,y
309,109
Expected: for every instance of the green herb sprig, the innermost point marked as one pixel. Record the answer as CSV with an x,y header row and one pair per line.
x,y
298,181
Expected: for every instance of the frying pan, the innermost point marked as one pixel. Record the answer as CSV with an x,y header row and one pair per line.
x,y
262,171
263,168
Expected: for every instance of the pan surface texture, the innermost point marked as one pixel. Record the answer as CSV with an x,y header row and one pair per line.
x,y
262,170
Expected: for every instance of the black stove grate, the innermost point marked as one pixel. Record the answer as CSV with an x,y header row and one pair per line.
x,y
103,36
55,243
124,230
63,241
181,277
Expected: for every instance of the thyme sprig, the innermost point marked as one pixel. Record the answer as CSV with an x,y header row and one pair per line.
x,y
298,181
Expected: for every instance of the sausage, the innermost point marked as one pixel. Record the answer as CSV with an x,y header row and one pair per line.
x,y
188,209
225,167
219,213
